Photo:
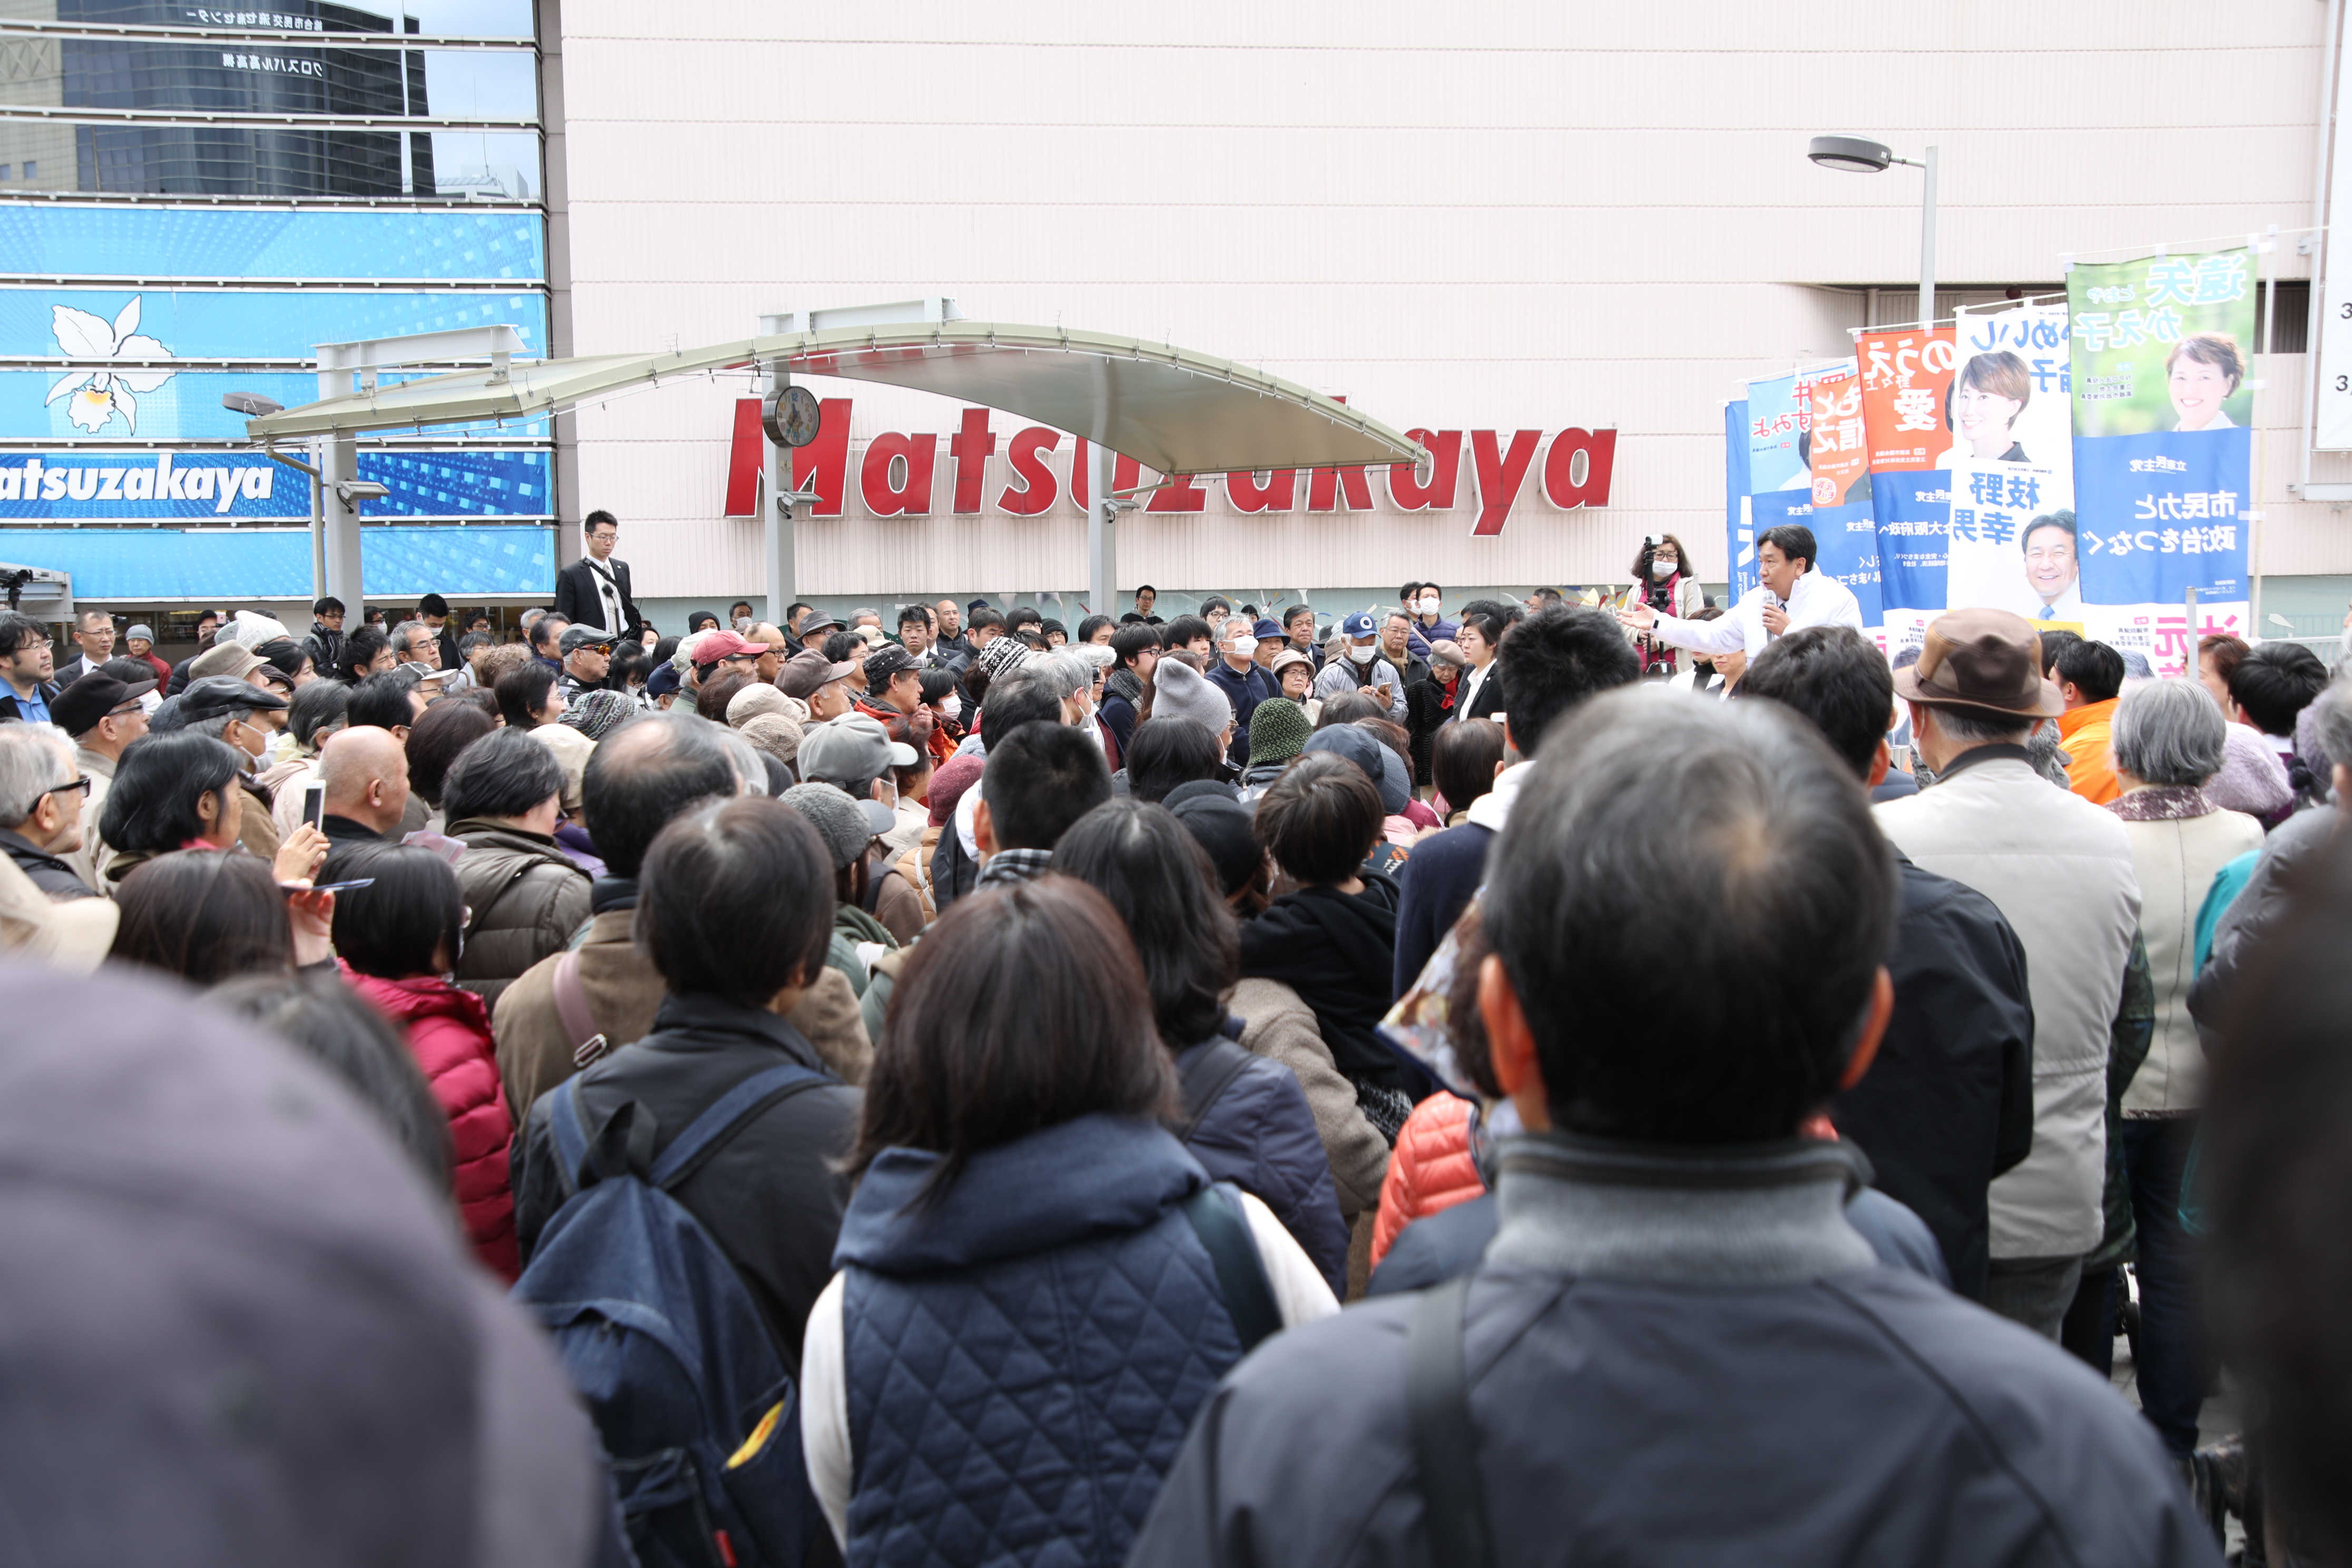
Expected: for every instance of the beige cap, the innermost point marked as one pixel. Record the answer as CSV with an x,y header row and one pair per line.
x,y
571,751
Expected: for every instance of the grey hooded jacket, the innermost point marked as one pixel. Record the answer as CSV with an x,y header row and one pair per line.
x,y
1682,1357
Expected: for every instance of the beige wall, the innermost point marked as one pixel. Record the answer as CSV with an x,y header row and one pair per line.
x,y
1499,216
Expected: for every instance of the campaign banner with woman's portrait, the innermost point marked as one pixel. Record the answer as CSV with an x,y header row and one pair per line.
x,y
2012,473
2163,454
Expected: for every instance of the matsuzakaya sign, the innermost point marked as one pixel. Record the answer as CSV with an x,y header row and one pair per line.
x,y
1487,472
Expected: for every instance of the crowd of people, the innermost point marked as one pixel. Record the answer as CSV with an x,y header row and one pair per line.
x,y
922,1089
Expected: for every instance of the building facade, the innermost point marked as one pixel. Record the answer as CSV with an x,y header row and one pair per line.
x,y
1555,239
191,200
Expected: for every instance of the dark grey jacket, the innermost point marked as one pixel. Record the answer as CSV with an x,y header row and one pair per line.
x,y
2258,909
51,874
1767,1412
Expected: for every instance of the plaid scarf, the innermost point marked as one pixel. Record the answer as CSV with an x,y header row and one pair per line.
x,y
1008,867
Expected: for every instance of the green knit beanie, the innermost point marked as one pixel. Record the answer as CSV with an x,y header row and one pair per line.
x,y
1278,728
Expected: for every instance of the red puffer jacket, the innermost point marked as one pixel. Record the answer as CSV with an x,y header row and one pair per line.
x,y
448,1032
1432,1169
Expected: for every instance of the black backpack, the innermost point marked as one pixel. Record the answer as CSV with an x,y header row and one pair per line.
x,y
699,1420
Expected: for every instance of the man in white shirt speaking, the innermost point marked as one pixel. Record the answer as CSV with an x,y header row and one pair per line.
x,y
1791,595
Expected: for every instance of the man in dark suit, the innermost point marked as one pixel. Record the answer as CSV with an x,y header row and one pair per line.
x,y
594,590
94,634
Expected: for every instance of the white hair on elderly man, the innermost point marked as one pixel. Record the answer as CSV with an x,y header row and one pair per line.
x,y
33,760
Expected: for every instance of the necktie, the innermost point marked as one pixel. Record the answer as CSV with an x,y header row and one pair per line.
x,y
2049,612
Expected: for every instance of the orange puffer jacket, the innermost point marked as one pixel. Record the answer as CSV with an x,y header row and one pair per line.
x,y
1432,1169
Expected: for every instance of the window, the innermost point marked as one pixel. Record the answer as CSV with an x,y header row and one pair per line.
x,y
32,170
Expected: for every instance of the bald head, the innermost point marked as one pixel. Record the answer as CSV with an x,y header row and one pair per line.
x,y
365,769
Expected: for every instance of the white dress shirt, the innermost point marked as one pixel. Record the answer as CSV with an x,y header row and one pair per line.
x,y
1818,600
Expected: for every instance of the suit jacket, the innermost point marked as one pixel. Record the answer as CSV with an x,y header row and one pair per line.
x,y
577,599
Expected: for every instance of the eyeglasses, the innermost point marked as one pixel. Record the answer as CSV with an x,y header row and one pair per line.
x,y
81,783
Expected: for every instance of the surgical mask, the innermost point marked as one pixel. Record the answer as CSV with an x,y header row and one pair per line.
x,y
1362,655
1662,570
1428,605
1244,647
952,704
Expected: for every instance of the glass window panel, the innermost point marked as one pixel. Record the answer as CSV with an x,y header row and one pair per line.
x,y
480,84
240,76
498,165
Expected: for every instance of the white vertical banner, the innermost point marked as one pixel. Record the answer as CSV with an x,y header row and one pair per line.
x,y
2332,397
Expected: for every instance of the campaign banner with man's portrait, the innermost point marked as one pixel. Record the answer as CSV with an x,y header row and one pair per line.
x,y
2163,454
1907,376
2013,470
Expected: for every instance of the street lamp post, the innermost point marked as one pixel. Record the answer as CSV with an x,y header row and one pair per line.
x,y
1860,155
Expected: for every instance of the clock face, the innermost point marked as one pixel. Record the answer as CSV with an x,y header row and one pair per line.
x,y
792,416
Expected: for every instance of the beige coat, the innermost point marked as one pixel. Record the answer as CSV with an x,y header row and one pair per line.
x,y
2059,870
1281,1027
2176,859
623,993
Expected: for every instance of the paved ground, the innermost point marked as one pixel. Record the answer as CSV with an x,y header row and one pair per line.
x,y
2216,1420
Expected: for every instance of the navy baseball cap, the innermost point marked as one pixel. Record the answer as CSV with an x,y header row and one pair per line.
x,y
1358,625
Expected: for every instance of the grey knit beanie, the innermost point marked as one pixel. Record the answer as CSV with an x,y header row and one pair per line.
x,y
1183,692
835,817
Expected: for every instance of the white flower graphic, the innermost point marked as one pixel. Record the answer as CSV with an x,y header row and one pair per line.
x,y
100,394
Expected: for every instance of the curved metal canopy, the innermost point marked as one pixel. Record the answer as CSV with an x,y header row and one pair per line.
x,y
1174,411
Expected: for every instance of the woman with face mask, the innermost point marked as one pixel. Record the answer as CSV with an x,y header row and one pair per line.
x,y
1422,602
1664,581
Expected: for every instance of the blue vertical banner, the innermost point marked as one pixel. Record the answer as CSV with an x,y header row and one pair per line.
x,y
1804,442
1738,527
2163,454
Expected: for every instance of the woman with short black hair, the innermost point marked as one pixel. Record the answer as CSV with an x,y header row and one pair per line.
x,y
530,697
1014,1179
1169,752
1333,938
179,789
1244,1118
398,938
1463,763
440,735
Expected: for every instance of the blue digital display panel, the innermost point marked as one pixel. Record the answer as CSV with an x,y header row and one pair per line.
x,y
42,240
95,325
275,564
185,486
177,406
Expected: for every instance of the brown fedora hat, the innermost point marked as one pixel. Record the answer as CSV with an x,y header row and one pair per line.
x,y
1982,661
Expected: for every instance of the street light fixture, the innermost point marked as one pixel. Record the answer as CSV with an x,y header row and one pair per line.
x,y
1860,155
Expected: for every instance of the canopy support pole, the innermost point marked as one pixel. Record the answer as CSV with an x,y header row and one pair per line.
x,y
338,462
779,569
1102,548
